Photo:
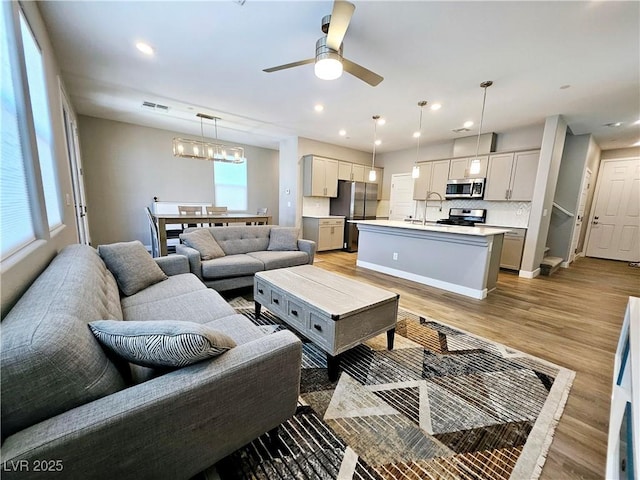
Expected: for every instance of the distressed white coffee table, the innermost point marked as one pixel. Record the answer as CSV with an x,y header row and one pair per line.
x,y
336,313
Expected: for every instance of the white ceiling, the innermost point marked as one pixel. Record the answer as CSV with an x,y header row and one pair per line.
x,y
209,57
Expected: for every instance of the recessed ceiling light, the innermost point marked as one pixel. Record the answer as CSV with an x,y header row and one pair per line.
x,y
467,124
416,134
381,121
436,106
144,48
318,108
342,132
378,142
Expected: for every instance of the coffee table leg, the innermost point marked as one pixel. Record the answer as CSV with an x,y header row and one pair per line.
x,y
257,306
333,365
390,336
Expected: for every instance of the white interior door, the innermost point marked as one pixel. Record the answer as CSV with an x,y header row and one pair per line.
x,y
75,165
584,193
401,203
615,222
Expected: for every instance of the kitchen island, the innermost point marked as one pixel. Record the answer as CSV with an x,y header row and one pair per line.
x,y
463,260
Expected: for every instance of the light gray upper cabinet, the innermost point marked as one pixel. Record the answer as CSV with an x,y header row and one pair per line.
x,y
468,167
512,176
320,177
433,178
353,172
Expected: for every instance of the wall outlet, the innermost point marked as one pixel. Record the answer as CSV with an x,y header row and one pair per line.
x,y
395,255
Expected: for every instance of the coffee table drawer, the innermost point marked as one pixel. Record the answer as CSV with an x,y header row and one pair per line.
x,y
262,292
321,329
297,315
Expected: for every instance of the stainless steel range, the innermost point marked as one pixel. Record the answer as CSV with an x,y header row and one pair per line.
x,y
467,217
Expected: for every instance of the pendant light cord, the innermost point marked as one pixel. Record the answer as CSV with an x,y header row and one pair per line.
x,y
421,105
484,85
375,130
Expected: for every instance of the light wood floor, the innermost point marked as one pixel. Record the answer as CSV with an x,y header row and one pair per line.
x,y
571,318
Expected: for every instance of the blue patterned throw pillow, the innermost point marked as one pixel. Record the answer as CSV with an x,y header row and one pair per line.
x,y
161,343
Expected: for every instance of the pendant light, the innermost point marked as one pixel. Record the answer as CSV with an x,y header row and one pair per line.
x,y
204,150
474,166
415,172
372,172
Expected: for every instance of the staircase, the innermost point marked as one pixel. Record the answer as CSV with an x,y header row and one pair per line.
x,y
549,264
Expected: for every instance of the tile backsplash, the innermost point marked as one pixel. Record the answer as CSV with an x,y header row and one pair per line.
x,y
503,214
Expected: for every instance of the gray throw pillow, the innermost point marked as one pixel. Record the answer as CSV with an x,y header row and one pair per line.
x,y
161,343
203,241
131,265
283,238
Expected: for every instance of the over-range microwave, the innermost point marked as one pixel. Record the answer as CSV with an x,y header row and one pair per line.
x,y
465,188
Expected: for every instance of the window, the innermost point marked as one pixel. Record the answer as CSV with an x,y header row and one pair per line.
x,y
16,221
42,122
231,185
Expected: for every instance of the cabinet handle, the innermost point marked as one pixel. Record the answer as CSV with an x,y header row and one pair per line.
x,y
276,301
294,313
317,327
260,291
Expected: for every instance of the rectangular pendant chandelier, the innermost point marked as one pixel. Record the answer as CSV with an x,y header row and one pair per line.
x,y
202,150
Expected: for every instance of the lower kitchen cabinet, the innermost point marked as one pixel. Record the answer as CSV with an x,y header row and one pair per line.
x,y
512,248
327,232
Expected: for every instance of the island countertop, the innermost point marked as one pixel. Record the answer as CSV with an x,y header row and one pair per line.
x,y
435,227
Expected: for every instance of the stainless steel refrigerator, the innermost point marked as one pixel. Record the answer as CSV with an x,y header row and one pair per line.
x,y
356,201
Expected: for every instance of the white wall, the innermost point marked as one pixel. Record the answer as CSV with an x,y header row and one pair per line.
x,y
126,165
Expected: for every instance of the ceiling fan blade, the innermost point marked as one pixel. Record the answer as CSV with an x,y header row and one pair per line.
x,y
340,18
289,65
362,73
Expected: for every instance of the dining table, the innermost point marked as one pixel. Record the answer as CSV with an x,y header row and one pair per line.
x,y
164,219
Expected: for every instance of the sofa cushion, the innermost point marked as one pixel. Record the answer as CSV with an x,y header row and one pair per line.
x,y
200,306
173,286
49,359
235,240
132,266
231,266
239,328
162,343
202,240
278,259
283,238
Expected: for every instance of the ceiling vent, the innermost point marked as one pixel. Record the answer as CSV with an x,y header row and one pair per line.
x,y
155,106
460,130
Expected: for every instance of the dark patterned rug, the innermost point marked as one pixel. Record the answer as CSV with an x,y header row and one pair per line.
x,y
443,404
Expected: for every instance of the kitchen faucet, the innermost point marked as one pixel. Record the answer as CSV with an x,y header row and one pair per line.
x,y
426,201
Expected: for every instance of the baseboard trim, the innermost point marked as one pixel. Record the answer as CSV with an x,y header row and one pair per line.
x,y
528,274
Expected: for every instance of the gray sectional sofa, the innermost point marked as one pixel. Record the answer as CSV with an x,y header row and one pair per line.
x,y
246,251
66,400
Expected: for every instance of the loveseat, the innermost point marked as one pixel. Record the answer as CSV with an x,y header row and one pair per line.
x,y
73,410
243,251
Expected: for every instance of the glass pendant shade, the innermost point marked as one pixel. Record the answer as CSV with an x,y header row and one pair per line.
x,y
372,175
372,172
415,172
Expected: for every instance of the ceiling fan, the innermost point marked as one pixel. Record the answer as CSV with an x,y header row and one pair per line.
x,y
329,62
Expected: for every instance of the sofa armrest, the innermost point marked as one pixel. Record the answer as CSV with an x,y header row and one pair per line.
x,y
193,255
173,426
173,264
308,246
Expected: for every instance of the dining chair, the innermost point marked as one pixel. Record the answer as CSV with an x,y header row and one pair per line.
x,y
153,230
216,211
262,211
189,210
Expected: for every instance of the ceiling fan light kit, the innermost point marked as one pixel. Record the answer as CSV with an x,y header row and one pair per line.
x,y
328,61
202,150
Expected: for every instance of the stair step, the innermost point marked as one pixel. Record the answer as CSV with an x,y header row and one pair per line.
x,y
550,265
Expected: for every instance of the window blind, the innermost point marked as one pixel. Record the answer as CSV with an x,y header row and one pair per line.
x,y
16,223
42,122
231,185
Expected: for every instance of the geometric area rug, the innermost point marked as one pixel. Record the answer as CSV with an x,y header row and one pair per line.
x,y
443,404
